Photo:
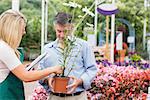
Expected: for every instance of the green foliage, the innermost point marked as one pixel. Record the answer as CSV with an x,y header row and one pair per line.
x,y
131,10
134,12
67,52
5,5
32,37
32,12
135,57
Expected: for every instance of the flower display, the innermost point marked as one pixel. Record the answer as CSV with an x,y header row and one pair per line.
x,y
113,82
39,94
117,82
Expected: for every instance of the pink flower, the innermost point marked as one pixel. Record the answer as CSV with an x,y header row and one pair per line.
x,y
122,80
39,94
144,95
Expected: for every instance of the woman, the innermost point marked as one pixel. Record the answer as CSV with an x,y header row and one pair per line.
x,y
12,71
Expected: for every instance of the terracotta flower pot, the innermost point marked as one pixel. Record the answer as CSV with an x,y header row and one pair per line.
x,y
60,84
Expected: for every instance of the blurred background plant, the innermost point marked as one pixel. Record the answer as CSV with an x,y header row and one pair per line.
x,y
135,57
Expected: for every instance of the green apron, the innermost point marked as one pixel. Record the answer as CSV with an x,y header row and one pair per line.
x,y
12,88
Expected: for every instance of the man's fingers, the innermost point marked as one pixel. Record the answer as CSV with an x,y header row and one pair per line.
x,y
72,77
52,89
71,91
50,84
50,81
70,86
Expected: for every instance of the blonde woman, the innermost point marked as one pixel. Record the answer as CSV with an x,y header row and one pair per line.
x,y
12,71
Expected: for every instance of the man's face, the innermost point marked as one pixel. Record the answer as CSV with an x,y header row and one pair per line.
x,y
63,30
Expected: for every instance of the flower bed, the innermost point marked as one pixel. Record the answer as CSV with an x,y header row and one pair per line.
x,y
118,82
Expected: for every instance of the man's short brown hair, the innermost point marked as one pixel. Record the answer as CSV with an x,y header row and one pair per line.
x,y
63,18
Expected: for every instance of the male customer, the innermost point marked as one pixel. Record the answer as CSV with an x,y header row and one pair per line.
x,y
84,65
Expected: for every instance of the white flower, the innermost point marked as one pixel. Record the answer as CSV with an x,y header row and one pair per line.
x,y
86,10
72,4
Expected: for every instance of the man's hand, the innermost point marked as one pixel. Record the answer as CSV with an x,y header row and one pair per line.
x,y
58,69
72,87
50,83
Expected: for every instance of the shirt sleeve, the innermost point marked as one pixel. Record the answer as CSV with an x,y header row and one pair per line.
x,y
8,57
90,66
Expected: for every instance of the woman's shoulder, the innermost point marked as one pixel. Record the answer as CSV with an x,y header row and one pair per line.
x,y
4,46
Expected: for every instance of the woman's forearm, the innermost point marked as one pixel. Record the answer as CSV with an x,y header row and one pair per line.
x,y
37,74
34,75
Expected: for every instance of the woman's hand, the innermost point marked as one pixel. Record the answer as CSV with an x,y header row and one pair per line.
x,y
58,69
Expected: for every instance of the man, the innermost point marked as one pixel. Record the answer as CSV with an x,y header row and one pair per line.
x,y
84,66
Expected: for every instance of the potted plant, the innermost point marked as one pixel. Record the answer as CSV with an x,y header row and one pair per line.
x,y
61,81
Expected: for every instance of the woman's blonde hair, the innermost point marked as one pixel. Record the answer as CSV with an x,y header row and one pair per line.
x,y
10,25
